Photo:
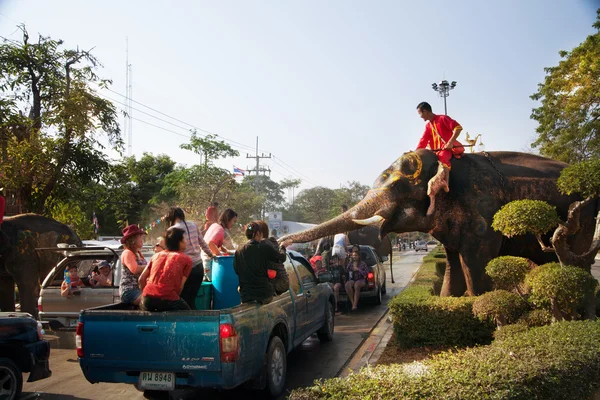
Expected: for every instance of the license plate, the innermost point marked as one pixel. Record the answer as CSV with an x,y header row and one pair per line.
x,y
157,380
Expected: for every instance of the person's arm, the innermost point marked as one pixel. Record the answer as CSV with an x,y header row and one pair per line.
x,y
130,261
143,279
182,284
425,139
456,130
204,245
187,270
64,289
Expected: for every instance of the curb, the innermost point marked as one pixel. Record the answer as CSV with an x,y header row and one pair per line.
x,y
371,348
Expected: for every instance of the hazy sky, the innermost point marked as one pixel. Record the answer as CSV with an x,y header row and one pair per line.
x,y
329,87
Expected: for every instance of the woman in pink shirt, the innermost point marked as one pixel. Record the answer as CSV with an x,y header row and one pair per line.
x,y
218,235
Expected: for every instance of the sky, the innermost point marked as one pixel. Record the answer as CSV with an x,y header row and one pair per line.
x,y
329,88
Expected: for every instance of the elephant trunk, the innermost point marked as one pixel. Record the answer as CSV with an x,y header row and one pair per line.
x,y
367,212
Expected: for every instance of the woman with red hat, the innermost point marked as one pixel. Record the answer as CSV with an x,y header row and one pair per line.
x,y
133,265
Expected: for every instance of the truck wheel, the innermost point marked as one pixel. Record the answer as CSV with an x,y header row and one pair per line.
x,y
325,334
378,297
384,288
11,380
276,367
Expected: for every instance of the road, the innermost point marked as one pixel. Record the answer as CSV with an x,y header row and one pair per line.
x,y
312,360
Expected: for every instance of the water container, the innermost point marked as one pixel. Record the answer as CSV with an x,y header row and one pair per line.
x,y
225,283
204,296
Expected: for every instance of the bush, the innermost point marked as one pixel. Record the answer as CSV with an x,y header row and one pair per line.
x,y
559,361
563,288
507,272
538,317
440,269
509,331
439,255
525,216
500,306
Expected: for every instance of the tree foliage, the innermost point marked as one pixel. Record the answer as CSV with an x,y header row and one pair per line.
x,y
209,147
582,178
569,114
314,203
50,118
500,306
525,216
507,272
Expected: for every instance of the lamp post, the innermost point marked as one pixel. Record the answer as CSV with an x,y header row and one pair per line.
x,y
443,88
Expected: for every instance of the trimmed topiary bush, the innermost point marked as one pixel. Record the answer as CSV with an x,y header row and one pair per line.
x,y
555,362
525,216
539,317
499,306
562,289
507,332
440,268
508,272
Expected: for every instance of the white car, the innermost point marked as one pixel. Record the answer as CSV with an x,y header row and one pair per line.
x,y
421,246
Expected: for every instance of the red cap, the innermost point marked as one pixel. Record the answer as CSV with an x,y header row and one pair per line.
x,y
131,230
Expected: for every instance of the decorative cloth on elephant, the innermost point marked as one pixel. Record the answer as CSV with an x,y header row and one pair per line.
x,y
437,133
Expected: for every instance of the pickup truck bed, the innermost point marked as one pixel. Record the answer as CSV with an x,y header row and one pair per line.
x,y
210,348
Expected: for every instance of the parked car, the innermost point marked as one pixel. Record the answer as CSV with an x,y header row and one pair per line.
x,y
218,348
422,245
63,312
22,349
376,285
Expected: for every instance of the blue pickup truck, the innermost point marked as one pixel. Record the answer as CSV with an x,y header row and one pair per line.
x,y
219,349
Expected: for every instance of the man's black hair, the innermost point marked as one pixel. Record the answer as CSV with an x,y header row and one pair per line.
x,y
175,213
424,106
173,238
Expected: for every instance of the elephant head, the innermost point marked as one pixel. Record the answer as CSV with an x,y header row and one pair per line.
x,y
397,202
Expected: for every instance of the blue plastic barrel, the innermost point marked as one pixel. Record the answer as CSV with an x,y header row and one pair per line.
x,y
225,283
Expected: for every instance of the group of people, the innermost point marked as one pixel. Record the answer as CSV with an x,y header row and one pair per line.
x,y
183,260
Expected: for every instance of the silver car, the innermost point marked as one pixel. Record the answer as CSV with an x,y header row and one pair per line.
x,y
61,311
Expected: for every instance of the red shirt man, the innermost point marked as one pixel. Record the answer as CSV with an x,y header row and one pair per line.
x,y
167,270
441,132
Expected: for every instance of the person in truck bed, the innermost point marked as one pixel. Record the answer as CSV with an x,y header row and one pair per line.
x,y
277,273
163,279
133,264
251,263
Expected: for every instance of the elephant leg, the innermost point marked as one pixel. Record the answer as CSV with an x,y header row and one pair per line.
x,y
454,278
7,292
29,292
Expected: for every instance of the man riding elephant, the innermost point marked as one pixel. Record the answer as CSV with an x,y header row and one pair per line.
x,y
440,135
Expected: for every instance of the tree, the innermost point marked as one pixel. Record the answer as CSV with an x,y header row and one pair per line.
x,y
269,190
348,195
290,184
315,203
569,114
51,117
209,147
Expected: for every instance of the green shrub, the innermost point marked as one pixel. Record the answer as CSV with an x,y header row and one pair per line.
x,y
509,331
499,306
539,317
562,288
440,269
439,255
507,272
525,216
559,361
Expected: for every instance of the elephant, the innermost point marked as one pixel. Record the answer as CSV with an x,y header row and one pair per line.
x,y
480,184
19,262
366,235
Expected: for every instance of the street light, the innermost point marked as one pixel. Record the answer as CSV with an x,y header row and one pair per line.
x,y
444,88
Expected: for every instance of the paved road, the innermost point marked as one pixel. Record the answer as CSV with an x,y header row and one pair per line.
x,y
312,360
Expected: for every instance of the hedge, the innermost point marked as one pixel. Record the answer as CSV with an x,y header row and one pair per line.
x,y
559,361
421,318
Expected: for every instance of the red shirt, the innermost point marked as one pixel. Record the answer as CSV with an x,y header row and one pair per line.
x,y
441,125
167,270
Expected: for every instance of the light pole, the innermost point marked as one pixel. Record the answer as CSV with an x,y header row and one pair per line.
x,y
444,88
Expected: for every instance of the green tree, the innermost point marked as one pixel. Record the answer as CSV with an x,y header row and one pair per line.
x,y
349,195
268,190
569,114
209,147
315,203
51,118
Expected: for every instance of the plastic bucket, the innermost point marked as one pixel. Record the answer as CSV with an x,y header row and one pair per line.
x,y
225,283
204,296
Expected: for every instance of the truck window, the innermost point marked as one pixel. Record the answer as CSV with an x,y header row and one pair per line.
x,y
306,276
294,284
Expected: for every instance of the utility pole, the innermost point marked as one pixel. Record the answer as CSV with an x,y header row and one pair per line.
x,y
128,123
258,169
443,89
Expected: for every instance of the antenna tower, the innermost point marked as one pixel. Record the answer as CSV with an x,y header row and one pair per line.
x,y
128,122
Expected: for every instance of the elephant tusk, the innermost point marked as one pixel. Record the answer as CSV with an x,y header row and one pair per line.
x,y
375,219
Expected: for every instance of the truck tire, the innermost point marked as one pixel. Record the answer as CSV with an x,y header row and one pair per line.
x,y
378,297
276,367
325,334
11,380
384,288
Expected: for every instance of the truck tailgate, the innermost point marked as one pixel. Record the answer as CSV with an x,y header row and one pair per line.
x,y
135,340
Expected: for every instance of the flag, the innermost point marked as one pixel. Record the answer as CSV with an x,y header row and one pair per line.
x,y
95,221
238,171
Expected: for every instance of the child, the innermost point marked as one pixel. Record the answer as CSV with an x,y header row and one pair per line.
x,y
72,284
102,277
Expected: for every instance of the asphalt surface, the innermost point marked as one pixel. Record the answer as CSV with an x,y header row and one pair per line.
x,y
312,360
